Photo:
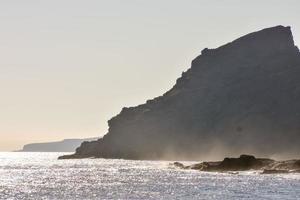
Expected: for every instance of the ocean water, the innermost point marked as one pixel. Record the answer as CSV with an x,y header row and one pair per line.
x,y
42,176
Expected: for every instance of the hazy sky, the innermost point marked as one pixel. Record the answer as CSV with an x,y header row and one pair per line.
x,y
66,67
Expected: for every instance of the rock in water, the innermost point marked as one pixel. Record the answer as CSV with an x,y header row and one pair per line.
x,y
241,97
246,163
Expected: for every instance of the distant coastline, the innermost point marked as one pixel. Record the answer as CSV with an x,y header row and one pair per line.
x,y
66,145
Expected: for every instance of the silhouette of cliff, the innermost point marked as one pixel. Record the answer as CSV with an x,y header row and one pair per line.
x,y
241,97
67,145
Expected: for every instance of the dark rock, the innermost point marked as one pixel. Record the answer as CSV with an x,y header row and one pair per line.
x,y
247,162
297,163
275,171
73,156
243,96
205,166
179,165
244,162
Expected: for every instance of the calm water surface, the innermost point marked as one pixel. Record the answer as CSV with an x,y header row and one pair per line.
x,y
42,176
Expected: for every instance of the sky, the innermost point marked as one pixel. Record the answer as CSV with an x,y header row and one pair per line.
x,y
68,66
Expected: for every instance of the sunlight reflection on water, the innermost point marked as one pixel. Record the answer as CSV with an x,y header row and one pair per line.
x,y
42,176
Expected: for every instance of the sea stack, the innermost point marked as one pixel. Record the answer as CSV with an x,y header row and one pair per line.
x,y
243,97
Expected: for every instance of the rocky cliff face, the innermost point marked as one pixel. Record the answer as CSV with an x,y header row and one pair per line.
x,y
241,97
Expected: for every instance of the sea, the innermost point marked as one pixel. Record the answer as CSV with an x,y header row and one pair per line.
x,y
43,176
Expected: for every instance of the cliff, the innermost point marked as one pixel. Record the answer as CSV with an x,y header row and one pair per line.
x,y
241,97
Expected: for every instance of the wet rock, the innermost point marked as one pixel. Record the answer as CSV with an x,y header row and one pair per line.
x,y
73,156
245,163
275,171
179,165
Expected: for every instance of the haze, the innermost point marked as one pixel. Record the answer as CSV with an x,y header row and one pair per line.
x,y
67,67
